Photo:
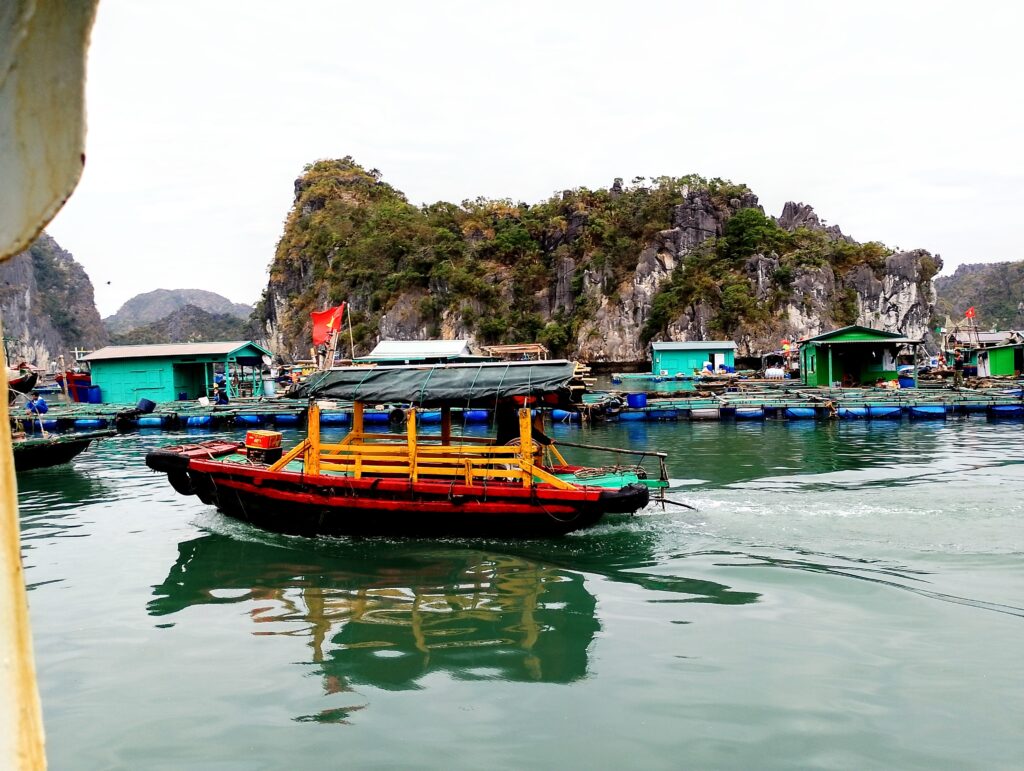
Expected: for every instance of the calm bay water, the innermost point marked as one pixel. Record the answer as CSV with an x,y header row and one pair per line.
x,y
849,595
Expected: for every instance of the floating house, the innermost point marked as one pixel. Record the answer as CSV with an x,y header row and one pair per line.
x,y
999,360
670,359
160,373
988,354
419,352
852,356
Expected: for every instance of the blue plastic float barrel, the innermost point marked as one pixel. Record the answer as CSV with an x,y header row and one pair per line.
x,y
95,395
852,413
632,415
377,416
199,421
565,416
334,418
876,413
475,416
286,419
151,421
1007,411
248,420
749,413
928,411
907,382
800,413
636,401
90,423
662,414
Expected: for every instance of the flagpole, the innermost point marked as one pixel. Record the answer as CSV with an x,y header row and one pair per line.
x,y
333,347
351,339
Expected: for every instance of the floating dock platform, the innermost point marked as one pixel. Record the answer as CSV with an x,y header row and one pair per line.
x,y
782,402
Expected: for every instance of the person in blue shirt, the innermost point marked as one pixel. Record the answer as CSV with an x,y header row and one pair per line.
x,y
37,405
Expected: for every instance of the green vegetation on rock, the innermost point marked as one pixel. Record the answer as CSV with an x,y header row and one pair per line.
x,y
621,264
189,324
994,290
491,263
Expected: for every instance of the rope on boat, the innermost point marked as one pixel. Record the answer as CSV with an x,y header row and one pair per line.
x,y
600,471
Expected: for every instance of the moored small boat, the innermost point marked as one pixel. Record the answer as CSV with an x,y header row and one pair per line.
x,y
45,451
416,483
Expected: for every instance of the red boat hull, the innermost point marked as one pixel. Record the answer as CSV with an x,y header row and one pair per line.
x,y
294,503
77,384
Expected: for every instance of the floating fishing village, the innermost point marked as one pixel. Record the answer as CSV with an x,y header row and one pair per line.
x,y
489,456
237,387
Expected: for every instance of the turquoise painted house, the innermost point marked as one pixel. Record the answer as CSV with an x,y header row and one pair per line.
x,y
162,373
670,359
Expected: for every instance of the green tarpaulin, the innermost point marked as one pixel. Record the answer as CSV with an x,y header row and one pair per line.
x,y
475,385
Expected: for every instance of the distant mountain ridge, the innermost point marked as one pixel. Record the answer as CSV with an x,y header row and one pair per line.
x,y
189,324
994,289
144,309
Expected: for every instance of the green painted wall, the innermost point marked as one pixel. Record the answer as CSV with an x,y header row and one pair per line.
x,y
673,362
125,381
1001,361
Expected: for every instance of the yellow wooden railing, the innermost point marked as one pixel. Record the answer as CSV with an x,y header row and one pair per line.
x,y
468,460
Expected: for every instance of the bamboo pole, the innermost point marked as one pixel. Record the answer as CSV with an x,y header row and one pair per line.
x,y
618,450
22,729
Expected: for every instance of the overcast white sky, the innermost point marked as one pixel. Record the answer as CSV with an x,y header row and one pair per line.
x,y
900,122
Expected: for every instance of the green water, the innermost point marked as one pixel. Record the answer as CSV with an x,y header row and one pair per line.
x,y
848,595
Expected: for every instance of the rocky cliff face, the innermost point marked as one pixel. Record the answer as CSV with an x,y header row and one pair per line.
x,y
596,274
900,299
47,305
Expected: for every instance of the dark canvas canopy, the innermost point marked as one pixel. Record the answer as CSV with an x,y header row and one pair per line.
x,y
442,384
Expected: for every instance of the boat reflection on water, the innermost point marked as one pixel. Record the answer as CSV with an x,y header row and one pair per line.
x,y
473,614
387,614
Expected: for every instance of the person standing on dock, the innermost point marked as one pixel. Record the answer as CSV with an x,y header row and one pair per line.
x,y
958,370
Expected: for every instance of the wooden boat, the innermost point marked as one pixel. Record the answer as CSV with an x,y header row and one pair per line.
x,y
415,483
76,384
20,381
53,450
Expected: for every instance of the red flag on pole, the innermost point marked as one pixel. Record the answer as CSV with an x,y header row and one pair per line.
x,y
970,312
326,323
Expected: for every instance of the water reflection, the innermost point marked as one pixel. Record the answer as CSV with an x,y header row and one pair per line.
x,y
386,614
50,502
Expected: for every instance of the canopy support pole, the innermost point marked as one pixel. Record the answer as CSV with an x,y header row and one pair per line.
x,y
410,430
526,445
311,462
446,425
